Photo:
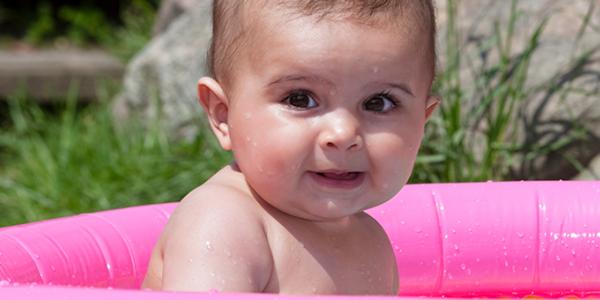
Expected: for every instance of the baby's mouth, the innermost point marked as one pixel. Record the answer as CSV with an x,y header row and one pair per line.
x,y
340,175
338,179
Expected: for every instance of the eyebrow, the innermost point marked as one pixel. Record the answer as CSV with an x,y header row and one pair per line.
x,y
313,78
404,87
401,86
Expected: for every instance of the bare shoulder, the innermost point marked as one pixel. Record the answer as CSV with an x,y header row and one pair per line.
x,y
378,238
215,239
372,227
215,201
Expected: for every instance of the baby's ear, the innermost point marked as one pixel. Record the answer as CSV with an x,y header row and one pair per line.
x,y
431,104
216,105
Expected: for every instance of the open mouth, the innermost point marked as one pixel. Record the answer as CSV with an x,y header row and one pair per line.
x,y
338,179
340,175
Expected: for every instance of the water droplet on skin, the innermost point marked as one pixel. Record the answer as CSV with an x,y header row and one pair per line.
x,y
557,258
108,266
247,115
209,246
477,259
571,263
463,267
212,274
521,235
418,229
227,253
375,69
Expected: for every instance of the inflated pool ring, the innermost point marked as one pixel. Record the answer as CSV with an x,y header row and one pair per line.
x,y
459,240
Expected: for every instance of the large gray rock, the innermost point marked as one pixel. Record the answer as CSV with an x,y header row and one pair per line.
x,y
161,79
164,74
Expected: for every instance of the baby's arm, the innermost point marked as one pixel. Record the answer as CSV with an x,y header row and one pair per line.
x,y
216,241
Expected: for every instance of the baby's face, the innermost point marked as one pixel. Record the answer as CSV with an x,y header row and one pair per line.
x,y
325,118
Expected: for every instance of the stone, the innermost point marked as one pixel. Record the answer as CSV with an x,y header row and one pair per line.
x,y
161,79
169,10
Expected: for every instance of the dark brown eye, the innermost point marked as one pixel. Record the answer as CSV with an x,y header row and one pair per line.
x,y
300,100
380,103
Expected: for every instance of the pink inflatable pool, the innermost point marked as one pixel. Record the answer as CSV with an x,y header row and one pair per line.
x,y
451,240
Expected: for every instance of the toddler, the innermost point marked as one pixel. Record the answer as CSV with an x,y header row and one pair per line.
x,y
323,104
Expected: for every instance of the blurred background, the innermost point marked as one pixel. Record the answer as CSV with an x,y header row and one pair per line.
x,y
98,106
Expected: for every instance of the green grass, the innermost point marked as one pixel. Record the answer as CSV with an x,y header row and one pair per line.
x,y
78,161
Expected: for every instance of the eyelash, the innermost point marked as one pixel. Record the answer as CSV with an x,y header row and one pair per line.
x,y
384,94
298,93
388,95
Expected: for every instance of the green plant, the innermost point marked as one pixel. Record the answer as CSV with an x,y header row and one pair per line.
x,y
138,19
43,26
475,135
85,24
80,161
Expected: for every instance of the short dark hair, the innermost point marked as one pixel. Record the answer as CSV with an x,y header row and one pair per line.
x,y
229,30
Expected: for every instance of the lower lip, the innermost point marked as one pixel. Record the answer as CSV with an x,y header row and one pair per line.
x,y
337,183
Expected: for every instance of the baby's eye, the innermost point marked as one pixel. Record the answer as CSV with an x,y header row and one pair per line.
x,y
380,103
300,100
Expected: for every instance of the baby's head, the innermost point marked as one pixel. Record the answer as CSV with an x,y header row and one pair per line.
x,y
236,24
323,103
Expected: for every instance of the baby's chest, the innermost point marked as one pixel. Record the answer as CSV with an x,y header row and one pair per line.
x,y
323,265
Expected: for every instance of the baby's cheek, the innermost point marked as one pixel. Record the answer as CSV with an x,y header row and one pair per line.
x,y
279,151
393,157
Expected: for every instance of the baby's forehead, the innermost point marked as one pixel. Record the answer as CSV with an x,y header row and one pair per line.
x,y
243,23
367,12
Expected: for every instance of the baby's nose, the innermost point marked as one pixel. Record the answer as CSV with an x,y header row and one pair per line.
x,y
341,133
